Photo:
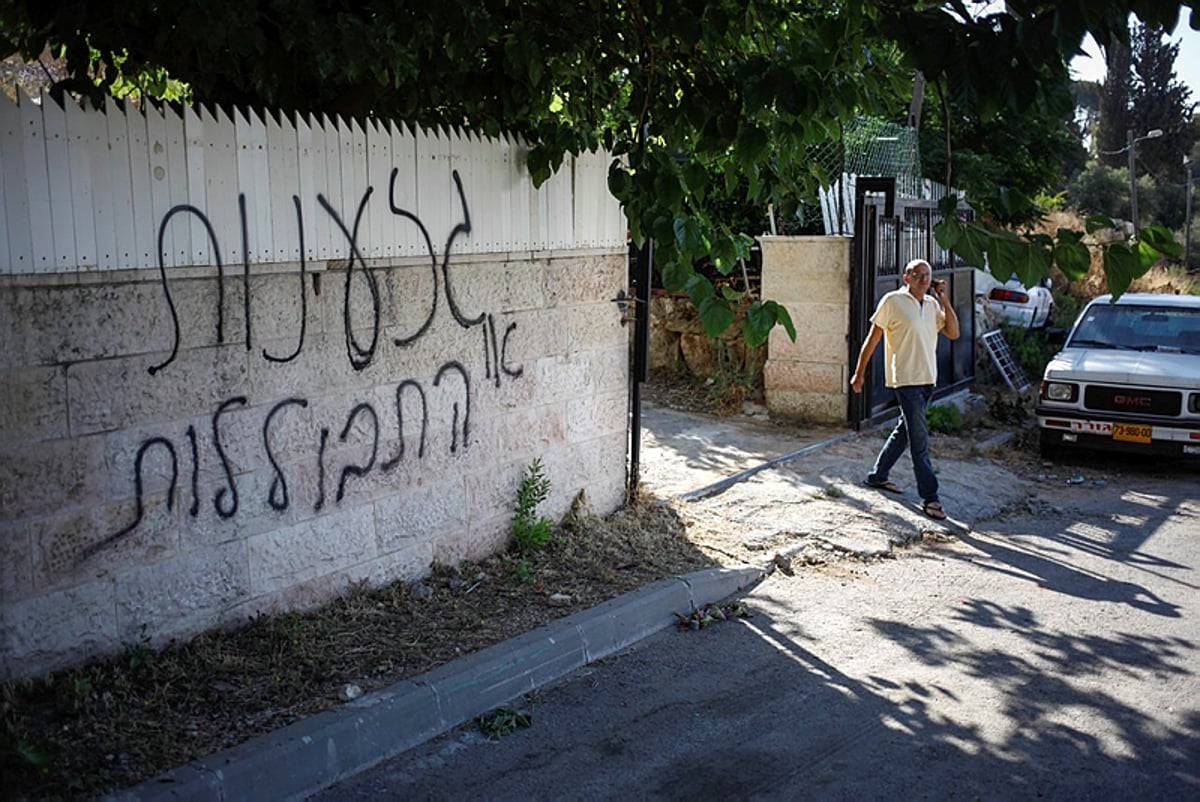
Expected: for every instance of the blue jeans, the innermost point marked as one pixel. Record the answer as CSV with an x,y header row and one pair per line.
x,y
911,432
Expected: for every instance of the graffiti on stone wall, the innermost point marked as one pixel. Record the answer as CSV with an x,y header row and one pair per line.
x,y
453,377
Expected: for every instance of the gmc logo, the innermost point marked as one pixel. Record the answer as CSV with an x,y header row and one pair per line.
x,y
1131,400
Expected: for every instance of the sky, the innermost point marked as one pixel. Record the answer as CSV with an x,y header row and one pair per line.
x,y
1187,63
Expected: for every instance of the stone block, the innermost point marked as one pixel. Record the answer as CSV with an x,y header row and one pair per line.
x,y
413,297
820,318
484,537
324,545
697,350
812,377
522,435
244,508
810,346
33,404
404,519
84,322
407,564
183,594
55,629
16,562
812,407
115,394
596,415
101,540
795,266
281,311
591,326
580,279
43,478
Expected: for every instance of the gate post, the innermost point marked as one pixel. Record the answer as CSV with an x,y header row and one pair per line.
x,y
863,261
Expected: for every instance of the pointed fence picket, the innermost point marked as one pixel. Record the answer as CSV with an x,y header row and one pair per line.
x,y
88,189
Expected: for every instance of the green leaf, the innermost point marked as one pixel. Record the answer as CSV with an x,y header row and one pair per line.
x,y
759,322
751,145
619,181
1121,267
783,317
731,294
724,254
1033,263
949,233
699,289
970,240
1161,240
695,177
715,315
1071,256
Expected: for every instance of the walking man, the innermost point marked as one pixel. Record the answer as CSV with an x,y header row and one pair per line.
x,y
908,320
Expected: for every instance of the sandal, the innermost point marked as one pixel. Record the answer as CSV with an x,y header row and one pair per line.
x,y
890,487
934,510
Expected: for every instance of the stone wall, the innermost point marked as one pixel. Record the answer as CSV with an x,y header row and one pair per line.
x,y
186,452
678,341
810,275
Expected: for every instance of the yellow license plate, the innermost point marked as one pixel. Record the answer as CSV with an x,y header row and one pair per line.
x,y
1131,433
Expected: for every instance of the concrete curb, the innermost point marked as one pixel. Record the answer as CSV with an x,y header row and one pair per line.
x,y
316,752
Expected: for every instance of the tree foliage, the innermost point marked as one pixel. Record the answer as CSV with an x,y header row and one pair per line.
x,y
694,98
1115,94
1160,101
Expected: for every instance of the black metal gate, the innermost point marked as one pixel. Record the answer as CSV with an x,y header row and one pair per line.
x,y
888,233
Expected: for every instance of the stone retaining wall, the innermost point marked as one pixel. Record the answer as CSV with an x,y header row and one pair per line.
x,y
181,451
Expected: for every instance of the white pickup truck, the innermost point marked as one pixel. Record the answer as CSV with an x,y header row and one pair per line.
x,y
1127,379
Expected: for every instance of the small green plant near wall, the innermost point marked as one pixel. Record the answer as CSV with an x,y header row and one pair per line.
x,y
1031,347
944,418
531,533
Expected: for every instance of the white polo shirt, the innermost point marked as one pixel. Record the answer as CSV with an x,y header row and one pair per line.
x,y
910,337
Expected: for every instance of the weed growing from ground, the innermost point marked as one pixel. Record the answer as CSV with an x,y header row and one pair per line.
x,y
503,721
944,418
531,533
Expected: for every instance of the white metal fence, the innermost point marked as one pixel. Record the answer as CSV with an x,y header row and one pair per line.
x,y
82,189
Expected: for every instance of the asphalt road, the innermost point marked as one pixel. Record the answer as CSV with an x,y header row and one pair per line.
x,y
1053,654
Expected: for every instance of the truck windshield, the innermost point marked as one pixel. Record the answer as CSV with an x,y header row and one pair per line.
x,y
1138,328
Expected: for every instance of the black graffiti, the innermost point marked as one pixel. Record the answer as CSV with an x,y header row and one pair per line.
x,y
387,466
360,357
303,293
194,510
359,470
231,489
226,499
359,354
162,271
514,373
277,497
320,505
402,341
462,228
139,503
466,426
245,265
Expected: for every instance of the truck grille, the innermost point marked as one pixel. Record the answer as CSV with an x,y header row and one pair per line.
x,y
1131,399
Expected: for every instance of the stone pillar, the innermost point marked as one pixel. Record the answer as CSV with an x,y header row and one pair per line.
x,y
810,275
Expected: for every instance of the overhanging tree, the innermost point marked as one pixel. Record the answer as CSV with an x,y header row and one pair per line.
x,y
1159,100
694,98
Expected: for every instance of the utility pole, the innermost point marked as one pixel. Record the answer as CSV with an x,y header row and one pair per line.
x,y
1131,146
